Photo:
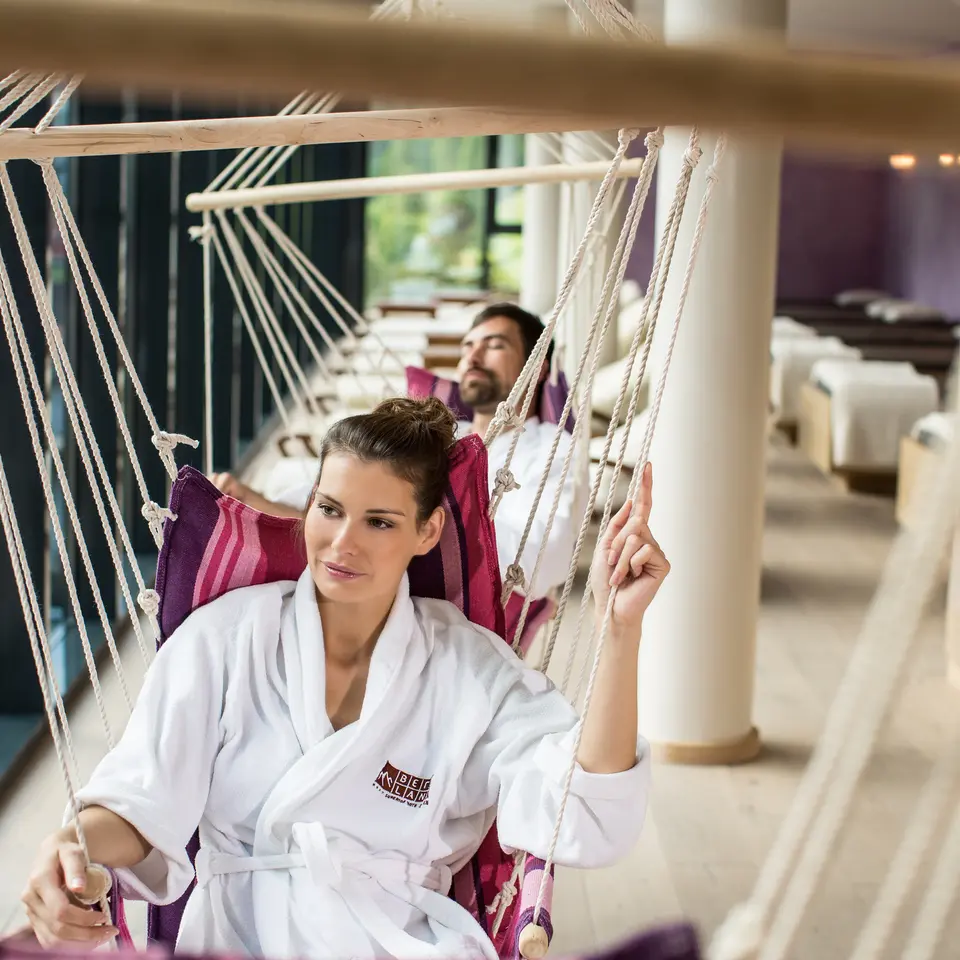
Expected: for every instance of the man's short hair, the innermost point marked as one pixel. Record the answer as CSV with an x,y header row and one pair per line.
x,y
531,327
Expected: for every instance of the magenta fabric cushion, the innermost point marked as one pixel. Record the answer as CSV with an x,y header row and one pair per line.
x,y
549,405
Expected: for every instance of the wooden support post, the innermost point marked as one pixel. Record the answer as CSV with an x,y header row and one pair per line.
x,y
404,183
180,136
215,47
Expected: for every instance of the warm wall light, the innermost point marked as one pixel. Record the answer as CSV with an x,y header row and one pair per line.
x,y
903,161
947,159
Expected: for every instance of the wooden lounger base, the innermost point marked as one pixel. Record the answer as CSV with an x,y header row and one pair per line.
x,y
814,438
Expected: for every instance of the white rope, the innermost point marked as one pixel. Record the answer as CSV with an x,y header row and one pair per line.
x,y
10,79
58,104
39,643
507,411
607,306
649,324
21,89
28,103
8,308
856,715
642,336
278,400
58,197
304,104
164,442
690,159
712,179
225,179
75,407
286,288
68,386
56,718
940,895
290,368
313,276
938,793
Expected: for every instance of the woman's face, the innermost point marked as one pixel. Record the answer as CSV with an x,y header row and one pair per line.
x,y
361,530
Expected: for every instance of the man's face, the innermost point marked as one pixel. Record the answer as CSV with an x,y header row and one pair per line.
x,y
491,361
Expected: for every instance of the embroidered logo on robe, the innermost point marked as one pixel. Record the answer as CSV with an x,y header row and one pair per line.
x,y
403,787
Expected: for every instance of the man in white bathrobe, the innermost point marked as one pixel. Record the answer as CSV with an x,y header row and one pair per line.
x,y
495,350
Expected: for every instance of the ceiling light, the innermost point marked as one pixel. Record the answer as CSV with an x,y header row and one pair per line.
x,y
903,161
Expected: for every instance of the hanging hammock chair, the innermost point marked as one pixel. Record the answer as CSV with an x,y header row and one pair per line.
x,y
218,544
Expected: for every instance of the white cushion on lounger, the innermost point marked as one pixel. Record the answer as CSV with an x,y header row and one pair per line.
x,y
787,327
872,405
859,297
896,312
938,426
792,360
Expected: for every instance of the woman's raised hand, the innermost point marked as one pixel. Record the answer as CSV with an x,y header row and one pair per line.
x,y
630,559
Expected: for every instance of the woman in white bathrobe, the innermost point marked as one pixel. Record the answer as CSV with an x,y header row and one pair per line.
x,y
344,747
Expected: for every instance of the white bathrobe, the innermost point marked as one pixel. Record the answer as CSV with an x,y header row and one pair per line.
x,y
341,844
529,459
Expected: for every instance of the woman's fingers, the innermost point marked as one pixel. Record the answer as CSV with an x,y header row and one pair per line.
x,y
653,563
617,522
634,548
634,527
74,867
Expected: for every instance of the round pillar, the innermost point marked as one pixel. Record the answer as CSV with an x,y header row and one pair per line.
x,y
541,225
539,279
698,655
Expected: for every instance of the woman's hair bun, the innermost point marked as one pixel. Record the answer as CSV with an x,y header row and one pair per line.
x,y
427,418
414,436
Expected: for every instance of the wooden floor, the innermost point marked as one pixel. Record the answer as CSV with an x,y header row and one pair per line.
x,y
709,828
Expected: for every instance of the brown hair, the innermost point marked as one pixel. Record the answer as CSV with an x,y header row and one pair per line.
x,y
412,437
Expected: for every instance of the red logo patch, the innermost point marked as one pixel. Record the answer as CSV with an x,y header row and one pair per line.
x,y
403,787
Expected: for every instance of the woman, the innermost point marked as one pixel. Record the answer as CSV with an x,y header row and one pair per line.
x,y
345,747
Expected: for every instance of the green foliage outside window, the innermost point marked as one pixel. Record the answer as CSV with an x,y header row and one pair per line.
x,y
418,243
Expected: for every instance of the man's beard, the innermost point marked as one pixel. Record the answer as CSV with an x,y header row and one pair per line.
x,y
482,393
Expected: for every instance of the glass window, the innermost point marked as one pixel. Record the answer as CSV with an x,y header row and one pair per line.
x,y
417,244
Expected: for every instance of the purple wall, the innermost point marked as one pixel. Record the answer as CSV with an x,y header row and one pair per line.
x,y
844,225
832,236
833,228
923,261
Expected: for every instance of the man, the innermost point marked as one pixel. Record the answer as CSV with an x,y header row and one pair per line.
x,y
494,352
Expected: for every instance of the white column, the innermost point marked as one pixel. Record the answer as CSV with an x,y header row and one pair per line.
x,y
541,202
541,225
698,656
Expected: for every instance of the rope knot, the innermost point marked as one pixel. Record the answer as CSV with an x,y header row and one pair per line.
x,y
505,482
654,140
712,175
691,157
202,233
514,578
155,515
628,135
506,416
166,443
149,603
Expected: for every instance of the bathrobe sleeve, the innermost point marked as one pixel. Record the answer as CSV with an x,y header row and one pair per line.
x,y
522,761
158,776
515,507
